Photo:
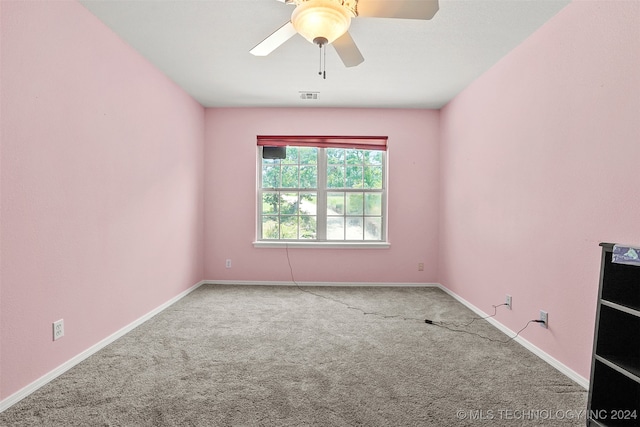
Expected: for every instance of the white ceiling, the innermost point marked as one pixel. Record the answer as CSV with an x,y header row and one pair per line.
x,y
203,46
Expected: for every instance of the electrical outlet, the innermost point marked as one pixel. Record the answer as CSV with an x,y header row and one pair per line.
x,y
227,264
544,316
421,266
507,301
58,329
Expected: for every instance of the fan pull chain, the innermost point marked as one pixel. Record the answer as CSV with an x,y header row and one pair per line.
x,y
324,71
323,61
322,44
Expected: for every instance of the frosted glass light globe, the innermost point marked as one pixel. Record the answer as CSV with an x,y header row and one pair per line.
x,y
321,19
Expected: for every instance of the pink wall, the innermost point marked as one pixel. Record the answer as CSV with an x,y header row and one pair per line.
x,y
102,198
539,161
230,201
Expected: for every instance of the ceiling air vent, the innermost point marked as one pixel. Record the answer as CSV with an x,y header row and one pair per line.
x,y
309,95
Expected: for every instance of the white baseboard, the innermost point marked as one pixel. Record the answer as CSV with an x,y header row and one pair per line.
x,y
564,369
341,284
27,390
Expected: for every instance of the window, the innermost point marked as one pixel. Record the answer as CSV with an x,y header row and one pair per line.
x,y
323,190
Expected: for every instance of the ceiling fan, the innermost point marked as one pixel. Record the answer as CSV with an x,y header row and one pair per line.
x,y
325,22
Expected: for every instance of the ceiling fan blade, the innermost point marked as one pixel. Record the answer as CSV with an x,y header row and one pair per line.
x,y
271,43
347,50
403,9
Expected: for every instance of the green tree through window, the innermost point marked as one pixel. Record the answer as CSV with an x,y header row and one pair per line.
x,y
323,194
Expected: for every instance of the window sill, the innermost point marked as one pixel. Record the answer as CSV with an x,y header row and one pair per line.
x,y
322,245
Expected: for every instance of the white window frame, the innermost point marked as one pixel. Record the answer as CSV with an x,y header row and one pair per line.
x,y
321,216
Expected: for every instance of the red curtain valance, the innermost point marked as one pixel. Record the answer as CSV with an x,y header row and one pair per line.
x,y
358,142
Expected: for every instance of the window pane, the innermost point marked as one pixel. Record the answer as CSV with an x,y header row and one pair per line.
x,y
354,228
335,177
289,176
373,204
308,203
335,203
373,157
335,228
308,155
354,157
335,156
355,204
271,161
354,177
308,227
289,227
373,229
373,177
269,227
270,203
292,156
289,203
270,176
308,176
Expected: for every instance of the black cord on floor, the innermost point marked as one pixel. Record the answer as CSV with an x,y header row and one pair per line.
x,y
349,306
443,325
397,316
461,325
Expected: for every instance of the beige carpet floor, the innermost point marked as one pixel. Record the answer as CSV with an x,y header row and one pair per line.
x,y
278,356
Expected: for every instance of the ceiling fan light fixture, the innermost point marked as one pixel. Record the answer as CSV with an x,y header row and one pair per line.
x,y
326,19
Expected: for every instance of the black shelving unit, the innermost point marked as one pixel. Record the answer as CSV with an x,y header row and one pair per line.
x,y
614,392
